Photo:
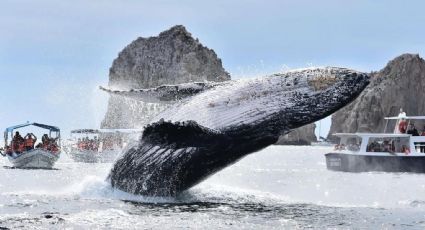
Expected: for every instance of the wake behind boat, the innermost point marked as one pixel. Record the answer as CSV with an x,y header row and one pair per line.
x,y
24,152
401,151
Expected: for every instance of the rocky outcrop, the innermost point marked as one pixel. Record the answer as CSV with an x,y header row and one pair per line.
x,y
172,57
401,84
301,136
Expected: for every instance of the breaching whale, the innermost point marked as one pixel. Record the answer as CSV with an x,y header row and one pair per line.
x,y
213,125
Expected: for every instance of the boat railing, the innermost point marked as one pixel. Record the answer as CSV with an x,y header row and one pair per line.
x,y
396,119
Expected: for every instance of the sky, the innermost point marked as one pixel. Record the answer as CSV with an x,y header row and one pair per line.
x,y
55,54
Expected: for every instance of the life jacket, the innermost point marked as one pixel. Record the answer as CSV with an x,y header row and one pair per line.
x,y
21,147
402,126
83,145
29,142
45,145
13,146
54,148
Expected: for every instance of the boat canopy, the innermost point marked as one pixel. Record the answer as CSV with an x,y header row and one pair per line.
x,y
406,117
43,126
48,127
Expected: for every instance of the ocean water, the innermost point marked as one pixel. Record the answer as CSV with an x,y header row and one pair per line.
x,y
281,187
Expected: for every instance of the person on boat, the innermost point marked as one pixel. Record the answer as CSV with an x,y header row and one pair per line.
x,y
45,141
388,147
82,144
405,149
86,143
18,144
30,140
412,130
95,144
422,147
402,125
8,150
39,145
402,114
79,144
53,146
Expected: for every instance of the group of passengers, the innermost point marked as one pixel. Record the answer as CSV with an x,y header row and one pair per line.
x,y
92,144
88,144
386,146
403,127
21,144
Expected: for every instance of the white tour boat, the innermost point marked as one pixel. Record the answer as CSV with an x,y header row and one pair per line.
x,y
387,152
96,145
44,155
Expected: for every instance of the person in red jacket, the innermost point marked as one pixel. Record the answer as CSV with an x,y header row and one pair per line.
x,y
402,126
29,141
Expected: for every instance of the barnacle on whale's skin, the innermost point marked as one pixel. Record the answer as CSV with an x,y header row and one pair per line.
x,y
217,125
322,82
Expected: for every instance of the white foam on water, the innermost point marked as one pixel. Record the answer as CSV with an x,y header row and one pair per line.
x,y
278,174
293,174
99,188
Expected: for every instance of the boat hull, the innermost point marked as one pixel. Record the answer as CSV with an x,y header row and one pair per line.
x,y
84,156
366,163
88,156
36,159
109,156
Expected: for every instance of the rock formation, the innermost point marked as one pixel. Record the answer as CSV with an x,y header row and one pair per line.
x,y
400,84
301,136
172,57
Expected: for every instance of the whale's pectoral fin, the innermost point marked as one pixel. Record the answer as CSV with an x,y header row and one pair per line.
x,y
170,158
164,93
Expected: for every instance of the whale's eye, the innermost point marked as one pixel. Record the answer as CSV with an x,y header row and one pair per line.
x,y
322,81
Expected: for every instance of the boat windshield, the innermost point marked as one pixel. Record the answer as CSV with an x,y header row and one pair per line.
x,y
351,143
388,144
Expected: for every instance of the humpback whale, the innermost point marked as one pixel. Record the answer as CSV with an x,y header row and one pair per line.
x,y
213,125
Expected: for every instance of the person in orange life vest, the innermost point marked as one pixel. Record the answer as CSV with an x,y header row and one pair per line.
x,y
80,144
84,143
53,146
402,126
29,141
